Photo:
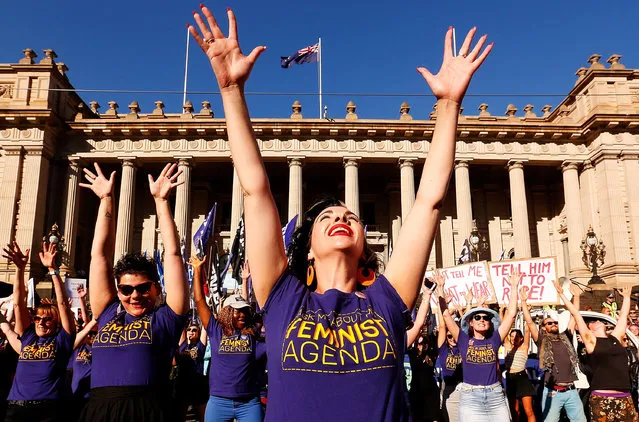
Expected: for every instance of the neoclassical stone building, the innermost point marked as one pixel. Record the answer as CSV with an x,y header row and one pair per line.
x,y
530,182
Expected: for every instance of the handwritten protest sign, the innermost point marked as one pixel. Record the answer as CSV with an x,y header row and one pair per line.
x,y
537,277
460,279
72,285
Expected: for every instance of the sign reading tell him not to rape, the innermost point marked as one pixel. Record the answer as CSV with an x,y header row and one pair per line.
x,y
460,279
537,277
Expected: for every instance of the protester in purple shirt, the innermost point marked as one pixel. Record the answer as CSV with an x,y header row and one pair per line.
x,y
191,385
335,353
80,365
482,396
137,333
45,344
236,352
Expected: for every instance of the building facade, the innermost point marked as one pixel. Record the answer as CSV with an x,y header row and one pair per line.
x,y
529,183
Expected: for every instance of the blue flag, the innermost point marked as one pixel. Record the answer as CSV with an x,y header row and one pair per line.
x,y
305,55
203,234
288,230
159,266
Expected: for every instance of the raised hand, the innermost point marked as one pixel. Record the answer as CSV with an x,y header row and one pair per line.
x,y
514,278
166,181
575,290
560,290
246,271
469,296
523,295
98,183
196,262
626,291
451,82
231,67
48,254
13,253
82,292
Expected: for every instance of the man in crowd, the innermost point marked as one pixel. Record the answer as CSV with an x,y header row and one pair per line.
x,y
610,304
558,359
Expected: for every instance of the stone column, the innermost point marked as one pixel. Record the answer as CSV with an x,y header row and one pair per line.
x,y
572,199
71,212
295,187
589,200
183,202
630,163
9,189
519,209
463,200
126,204
407,178
237,204
351,193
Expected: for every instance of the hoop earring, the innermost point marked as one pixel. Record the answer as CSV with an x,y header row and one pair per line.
x,y
310,273
365,276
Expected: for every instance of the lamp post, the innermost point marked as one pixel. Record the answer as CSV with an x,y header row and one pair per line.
x,y
594,254
478,243
54,236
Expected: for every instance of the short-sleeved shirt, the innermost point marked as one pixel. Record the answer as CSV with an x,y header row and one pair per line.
x,y
479,358
190,358
335,356
450,361
41,366
81,365
135,351
235,370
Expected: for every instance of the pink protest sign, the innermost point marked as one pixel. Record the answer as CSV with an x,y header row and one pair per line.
x,y
537,277
461,278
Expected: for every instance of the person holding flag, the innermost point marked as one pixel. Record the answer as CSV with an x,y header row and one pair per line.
x,y
345,344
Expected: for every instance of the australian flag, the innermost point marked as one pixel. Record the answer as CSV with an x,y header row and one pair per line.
x,y
305,55
203,234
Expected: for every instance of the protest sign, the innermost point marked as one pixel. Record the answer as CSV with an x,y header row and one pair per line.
x,y
537,277
72,285
460,279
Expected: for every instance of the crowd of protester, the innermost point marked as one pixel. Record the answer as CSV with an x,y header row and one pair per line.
x,y
323,335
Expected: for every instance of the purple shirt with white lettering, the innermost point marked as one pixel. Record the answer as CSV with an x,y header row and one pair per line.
x,y
335,356
130,351
41,366
81,365
235,369
479,358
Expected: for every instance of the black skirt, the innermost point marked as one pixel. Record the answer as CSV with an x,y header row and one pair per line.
x,y
40,411
518,385
124,404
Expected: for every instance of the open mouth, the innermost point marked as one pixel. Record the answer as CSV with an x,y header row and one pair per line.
x,y
340,230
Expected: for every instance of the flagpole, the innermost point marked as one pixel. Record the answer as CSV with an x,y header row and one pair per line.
x,y
319,67
454,43
186,66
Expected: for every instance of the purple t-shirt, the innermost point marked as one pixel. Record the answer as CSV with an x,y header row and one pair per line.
x,y
81,365
190,359
335,356
235,369
41,366
130,351
479,358
449,360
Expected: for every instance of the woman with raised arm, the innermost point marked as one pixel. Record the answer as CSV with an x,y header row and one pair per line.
x,y
482,332
137,333
45,345
610,398
341,343
236,356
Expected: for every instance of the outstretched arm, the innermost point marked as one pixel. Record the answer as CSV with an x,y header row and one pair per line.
x,y
576,300
511,310
175,282
79,338
47,257
406,267
622,322
82,292
102,288
203,309
441,328
447,318
532,327
586,335
12,253
10,334
264,245
246,273
413,333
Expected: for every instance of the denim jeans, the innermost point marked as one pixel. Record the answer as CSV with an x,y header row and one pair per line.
x,y
220,409
479,403
552,402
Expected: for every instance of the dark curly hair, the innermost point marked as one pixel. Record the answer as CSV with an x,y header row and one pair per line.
x,y
301,243
136,263
225,319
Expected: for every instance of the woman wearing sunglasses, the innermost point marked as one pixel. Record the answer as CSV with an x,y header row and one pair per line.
x,y
45,345
319,364
237,356
137,333
482,332
191,385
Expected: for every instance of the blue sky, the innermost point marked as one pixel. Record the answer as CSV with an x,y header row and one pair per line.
x,y
370,47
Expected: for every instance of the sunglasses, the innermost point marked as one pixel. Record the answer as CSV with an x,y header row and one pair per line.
x,y
194,330
127,290
45,319
449,336
482,317
549,323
